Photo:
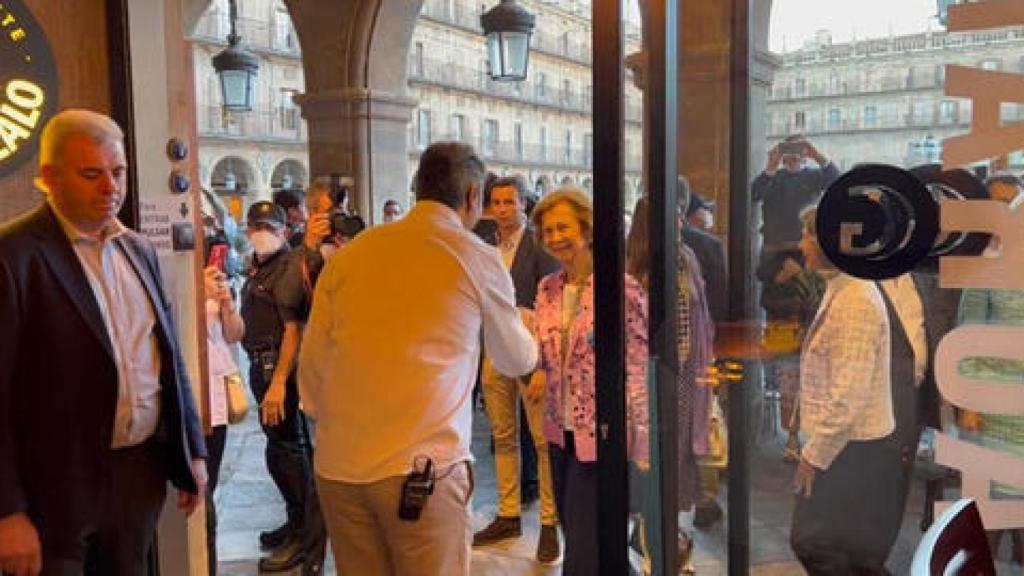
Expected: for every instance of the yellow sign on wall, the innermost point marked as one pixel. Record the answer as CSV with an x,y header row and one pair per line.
x,y
28,85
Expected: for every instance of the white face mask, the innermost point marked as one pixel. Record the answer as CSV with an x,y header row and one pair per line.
x,y
265,243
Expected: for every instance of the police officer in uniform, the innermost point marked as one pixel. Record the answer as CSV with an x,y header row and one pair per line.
x,y
272,341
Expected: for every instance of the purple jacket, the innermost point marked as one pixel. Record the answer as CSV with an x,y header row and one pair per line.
x,y
579,368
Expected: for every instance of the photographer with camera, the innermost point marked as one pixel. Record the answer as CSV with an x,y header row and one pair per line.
x,y
783,193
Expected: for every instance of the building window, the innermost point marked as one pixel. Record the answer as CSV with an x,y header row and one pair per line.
x,y
910,77
567,153
284,31
990,64
567,93
799,120
543,144
542,85
834,119
456,124
490,137
288,112
799,87
870,115
423,128
833,82
948,110
517,138
588,150
417,64
940,74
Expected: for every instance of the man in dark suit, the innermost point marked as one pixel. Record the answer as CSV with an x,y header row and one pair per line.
x,y
96,412
710,254
527,263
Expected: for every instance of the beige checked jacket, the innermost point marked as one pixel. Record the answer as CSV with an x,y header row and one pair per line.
x,y
845,393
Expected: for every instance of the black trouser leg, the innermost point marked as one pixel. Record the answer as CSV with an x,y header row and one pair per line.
x,y
215,448
286,456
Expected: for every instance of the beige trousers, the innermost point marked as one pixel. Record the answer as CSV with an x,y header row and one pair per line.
x,y
501,396
368,538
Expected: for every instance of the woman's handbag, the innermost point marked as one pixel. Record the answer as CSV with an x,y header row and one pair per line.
x,y
718,438
238,402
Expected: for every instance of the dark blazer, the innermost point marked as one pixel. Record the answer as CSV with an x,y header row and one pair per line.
x,y
58,380
711,256
531,263
939,307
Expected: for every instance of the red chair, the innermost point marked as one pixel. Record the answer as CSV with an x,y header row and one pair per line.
x,y
954,545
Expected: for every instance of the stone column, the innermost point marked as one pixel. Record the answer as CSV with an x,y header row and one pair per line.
x,y
362,133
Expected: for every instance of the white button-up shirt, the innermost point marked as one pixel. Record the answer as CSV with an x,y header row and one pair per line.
x,y
390,353
130,322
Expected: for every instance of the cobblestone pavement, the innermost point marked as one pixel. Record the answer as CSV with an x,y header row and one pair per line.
x,y
248,502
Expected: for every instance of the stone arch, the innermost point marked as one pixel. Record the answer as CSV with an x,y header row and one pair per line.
x,y
237,196
355,103
289,173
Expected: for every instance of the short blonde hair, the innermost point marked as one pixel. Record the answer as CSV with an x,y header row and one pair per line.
x,y
576,199
98,127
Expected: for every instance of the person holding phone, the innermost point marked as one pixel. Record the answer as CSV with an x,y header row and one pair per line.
x,y
224,326
786,186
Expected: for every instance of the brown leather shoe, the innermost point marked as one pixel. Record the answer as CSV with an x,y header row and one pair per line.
x,y
548,548
501,528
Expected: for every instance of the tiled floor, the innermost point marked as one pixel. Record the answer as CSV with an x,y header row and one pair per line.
x,y
248,502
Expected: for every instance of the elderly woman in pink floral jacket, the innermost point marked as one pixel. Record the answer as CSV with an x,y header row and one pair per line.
x,y
564,328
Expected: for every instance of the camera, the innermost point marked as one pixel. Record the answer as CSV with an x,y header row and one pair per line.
x,y
795,148
417,487
342,223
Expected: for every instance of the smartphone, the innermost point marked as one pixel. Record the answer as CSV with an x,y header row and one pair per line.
x,y
218,256
795,148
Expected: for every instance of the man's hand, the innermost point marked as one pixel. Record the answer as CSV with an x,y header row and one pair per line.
x,y
811,152
20,553
803,479
188,502
536,388
774,158
318,227
272,407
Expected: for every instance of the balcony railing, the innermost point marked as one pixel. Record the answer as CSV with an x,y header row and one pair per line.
x,y
431,71
880,122
274,125
854,88
508,152
258,35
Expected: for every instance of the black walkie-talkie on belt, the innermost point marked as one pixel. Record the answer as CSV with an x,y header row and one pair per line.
x,y
418,485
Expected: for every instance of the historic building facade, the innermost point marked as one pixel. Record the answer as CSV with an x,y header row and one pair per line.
x,y
539,128
883,100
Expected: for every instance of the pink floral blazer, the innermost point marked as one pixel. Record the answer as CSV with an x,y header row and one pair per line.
x,y
579,368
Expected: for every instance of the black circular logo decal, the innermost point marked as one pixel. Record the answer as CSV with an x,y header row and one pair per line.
x,y
28,85
877,221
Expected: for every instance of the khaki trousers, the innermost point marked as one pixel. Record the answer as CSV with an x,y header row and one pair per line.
x,y
368,538
501,396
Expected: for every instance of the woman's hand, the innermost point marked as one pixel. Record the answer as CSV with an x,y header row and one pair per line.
x,y
803,479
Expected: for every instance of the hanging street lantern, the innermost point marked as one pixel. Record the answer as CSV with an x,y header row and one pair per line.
x,y
236,67
508,27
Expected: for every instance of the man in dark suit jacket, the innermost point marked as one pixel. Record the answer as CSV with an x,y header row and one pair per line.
x,y
710,255
96,412
527,263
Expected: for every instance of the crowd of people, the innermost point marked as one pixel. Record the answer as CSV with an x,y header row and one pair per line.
x,y
364,374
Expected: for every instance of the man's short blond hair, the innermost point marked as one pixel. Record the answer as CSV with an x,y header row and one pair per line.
x,y
98,127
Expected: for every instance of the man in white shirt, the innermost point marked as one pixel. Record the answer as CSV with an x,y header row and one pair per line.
x,y
390,386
